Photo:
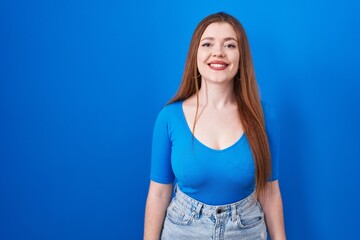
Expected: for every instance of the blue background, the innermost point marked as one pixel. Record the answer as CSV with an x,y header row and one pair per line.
x,y
81,83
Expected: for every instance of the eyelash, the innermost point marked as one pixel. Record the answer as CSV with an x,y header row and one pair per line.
x,y
206,45
227,46
230,46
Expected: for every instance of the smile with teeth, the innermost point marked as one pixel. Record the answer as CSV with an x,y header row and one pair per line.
x,y
218,66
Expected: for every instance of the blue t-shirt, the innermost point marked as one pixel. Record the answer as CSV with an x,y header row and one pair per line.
x,y
211,176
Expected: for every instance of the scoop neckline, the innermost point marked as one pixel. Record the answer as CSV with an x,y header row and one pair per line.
x,y
188,129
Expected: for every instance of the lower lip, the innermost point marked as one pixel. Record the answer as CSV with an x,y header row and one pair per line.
x,y
218,68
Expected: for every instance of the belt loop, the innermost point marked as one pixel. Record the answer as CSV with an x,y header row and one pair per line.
x,y
176,188
233,213
198,208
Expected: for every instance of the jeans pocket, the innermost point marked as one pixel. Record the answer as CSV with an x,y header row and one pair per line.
x,y
252,217
178,214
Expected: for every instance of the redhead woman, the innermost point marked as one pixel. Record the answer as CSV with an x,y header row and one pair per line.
x,y
215,144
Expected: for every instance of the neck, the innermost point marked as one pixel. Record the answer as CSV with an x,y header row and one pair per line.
x,y
216,95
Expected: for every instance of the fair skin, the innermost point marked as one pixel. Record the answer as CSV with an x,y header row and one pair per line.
x,y
156,204
218,61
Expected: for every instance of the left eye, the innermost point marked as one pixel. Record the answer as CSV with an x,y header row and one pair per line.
x,y
230,45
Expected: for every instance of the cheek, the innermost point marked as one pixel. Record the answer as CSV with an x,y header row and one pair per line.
x,y
235,61
201,60
198,61
201,68
201,56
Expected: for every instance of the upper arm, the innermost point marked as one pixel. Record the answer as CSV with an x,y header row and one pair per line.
x,y
272,192
159,190
161,170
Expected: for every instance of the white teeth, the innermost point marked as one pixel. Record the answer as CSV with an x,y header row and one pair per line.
x,y
216,65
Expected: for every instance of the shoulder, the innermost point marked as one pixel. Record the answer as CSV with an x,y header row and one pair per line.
x,y
168,119
169,111
170,108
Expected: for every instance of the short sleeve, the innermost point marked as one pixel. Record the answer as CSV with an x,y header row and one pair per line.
x,y
273,134
161,170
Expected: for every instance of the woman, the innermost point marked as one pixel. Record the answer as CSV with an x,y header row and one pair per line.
x,y
219,142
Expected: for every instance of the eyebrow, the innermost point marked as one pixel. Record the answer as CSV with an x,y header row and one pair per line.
x,y
212,39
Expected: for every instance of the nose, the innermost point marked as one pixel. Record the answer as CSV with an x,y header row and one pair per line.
x,y
218,51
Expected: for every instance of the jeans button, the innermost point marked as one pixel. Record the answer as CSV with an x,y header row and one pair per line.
x,y
218,211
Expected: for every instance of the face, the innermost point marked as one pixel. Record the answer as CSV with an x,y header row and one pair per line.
x,y
218,53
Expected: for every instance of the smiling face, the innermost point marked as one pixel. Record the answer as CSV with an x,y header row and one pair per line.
x,y
218,53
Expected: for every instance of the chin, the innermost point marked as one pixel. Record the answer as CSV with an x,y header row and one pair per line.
x,y
219,80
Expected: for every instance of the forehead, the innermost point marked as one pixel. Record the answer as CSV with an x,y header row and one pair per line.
x,y
219,30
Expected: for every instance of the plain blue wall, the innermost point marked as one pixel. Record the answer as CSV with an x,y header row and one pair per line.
x,y
81,83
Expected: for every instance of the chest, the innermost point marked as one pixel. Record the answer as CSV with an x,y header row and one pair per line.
x,y
195,164
216,129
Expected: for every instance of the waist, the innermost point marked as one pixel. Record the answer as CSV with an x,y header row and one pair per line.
x,y
194,205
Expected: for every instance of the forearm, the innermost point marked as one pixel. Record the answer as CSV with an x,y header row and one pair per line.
x,y
273,209
156,206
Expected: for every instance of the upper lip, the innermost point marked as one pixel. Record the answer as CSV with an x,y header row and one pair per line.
x,y
218,62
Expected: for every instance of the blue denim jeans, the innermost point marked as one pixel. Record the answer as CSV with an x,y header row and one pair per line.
x,y
187,218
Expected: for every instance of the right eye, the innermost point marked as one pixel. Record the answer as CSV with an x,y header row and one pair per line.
x,y
206,45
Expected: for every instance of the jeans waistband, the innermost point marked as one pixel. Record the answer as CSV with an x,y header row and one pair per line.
x,y
196,206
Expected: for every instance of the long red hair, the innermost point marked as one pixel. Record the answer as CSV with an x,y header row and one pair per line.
x,y
245,89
